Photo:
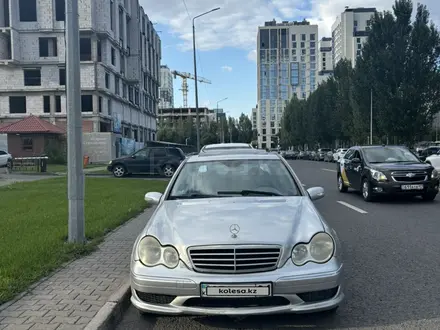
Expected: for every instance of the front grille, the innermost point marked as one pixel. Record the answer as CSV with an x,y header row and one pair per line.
x,y
235,259
409,176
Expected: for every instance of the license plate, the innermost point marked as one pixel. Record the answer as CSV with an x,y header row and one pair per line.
x,y
236,290
412,187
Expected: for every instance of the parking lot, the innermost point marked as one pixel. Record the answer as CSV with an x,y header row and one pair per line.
x,y
390,252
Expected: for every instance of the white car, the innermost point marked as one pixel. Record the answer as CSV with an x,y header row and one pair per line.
x,y
5,158
225,146
339,154
434,160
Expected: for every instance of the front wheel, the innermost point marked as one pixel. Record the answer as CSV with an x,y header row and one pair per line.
x,y
341,186
366,190
119,171
429,196
168,170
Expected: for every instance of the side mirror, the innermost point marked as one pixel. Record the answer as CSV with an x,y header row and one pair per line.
x,y
316,193
153,197
355,160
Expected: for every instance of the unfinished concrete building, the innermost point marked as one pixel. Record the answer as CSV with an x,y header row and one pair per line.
x,y
120,65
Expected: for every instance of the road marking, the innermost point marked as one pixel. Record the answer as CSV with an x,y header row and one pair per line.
x,y
352,207
328,170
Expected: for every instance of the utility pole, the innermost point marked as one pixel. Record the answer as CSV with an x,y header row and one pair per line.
x,y
371,116
75,173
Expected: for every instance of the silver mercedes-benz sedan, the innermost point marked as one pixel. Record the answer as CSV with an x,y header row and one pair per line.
x,y
236,234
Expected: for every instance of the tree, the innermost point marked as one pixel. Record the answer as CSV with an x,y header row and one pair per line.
x,y
244,127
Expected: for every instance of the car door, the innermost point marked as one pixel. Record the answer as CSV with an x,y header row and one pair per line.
x,y
3,158
157,158
354,169
138,162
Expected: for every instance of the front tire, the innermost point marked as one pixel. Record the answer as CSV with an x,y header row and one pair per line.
x,y
341,186
119,171
168,170
366,190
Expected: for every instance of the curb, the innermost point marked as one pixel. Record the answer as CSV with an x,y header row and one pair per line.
x,y
111,313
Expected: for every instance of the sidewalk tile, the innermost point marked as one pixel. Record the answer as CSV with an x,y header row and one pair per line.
x,y
71,297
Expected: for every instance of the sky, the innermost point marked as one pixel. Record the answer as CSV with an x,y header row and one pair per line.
x,y
226,41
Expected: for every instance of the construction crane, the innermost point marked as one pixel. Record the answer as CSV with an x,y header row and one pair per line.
x,y
184,89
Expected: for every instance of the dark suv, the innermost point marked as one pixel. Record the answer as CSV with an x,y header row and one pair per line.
x,y
386,170
154,160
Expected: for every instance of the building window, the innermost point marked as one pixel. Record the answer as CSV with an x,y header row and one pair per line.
x,y
100,104
62,77
355,23
303,37
27,144
117,87
57,103
17,104
112,15
48,47
85,49
86,103
28,10
46,104
60,10
109,107
113,56
312,36
107,80
32,77
293,37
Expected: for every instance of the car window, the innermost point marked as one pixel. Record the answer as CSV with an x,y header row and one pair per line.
x,y
356,154
176,152
211,177
143,153
349,153
2,152
389,155
158,152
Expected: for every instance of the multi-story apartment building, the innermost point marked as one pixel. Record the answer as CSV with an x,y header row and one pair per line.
x,y
172,116
287,66
349,32
120,57
325,66
254,117
166,89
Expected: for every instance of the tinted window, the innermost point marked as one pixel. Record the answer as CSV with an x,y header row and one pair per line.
x,y
2,152
158,152
349,153
142,153
210,178
176,152
388,155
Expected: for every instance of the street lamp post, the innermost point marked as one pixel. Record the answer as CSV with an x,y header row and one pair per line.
x,y
216,116
195,76
371,116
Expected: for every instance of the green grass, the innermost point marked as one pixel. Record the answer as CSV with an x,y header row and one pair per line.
x,y
56,168
33,224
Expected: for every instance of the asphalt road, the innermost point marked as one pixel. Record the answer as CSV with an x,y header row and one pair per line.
x,y
391,253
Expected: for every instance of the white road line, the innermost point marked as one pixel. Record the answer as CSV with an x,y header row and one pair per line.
x,y
352,207
328,170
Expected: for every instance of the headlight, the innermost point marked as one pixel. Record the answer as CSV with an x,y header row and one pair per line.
x,y
110,162
434,174
378,176
320,249
152,253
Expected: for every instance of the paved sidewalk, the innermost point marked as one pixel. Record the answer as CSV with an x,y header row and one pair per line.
x,y
72,296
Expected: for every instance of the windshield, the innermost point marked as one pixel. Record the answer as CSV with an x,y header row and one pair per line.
x,y
389,155
226,178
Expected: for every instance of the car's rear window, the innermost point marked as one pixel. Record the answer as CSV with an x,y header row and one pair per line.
x,y
176,152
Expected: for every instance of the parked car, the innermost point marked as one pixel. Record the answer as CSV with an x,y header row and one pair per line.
x,y
5,159
328,157
339,154
155,160
434,160
235,226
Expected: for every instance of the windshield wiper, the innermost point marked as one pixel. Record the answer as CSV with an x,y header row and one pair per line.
x,y
248,193
190,196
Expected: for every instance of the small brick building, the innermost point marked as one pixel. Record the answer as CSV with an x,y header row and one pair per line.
x,y
28,137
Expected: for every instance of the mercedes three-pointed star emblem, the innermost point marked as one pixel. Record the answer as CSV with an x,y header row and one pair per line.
x,y
234,229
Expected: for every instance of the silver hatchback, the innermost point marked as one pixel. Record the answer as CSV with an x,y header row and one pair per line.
x,y
236,234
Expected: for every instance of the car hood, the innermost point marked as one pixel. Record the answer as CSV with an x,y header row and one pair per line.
x,y
268,220
400,166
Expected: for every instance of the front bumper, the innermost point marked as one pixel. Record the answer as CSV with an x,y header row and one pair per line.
x,y
110,168
395,188
309,288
